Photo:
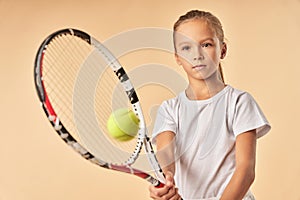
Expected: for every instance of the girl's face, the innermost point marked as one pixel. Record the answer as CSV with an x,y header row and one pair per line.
x,y
198,49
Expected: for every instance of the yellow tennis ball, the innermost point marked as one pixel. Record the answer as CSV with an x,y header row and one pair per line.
x,y
123,124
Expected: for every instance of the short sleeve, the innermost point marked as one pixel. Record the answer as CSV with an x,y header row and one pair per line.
x,y
165,120
248,116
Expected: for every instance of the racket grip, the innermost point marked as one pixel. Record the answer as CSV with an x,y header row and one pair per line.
x,y
160,185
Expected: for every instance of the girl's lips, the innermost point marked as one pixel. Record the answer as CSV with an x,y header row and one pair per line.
x,y
199,66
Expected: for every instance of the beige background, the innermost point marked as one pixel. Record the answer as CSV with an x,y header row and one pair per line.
x,y
263,40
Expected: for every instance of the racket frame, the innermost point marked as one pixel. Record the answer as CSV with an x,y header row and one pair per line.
x,y
133,98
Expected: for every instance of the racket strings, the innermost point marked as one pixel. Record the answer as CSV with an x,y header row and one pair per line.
x,y
60,72
104,105
59,55
108,82
64,60
56,75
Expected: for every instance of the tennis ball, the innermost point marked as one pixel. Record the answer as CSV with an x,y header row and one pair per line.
x,y
123,124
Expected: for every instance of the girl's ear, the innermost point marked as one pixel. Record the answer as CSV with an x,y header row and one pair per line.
x,y
223,50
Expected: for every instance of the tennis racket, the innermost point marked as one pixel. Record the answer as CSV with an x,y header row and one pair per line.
x,y
79,84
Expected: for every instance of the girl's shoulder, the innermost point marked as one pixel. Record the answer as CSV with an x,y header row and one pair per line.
x,y
175,101
238,95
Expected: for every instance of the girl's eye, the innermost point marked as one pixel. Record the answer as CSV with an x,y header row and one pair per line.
x,y
205,45
185,48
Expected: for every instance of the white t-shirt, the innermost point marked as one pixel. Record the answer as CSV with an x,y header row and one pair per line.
x,y
206,132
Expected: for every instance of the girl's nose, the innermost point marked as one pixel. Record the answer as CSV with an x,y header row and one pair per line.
x,y
198,54
198,57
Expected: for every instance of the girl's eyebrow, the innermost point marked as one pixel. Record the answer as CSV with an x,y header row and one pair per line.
x,y
185,43
207,39
190,41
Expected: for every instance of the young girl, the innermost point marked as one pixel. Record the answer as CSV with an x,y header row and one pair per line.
x,y
206,136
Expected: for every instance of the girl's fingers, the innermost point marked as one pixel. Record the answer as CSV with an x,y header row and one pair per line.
x,y
158,192
164,193
167,192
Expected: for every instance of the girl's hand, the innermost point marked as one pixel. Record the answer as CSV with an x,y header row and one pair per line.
x,y
168,192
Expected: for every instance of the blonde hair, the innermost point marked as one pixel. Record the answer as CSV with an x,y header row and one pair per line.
x,y
211,20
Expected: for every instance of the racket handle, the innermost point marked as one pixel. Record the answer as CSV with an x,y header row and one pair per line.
x,y
160,185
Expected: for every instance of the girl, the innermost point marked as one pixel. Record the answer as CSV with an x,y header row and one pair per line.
x,y
206,136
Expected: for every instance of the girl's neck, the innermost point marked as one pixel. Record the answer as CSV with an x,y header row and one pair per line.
x,y
205,89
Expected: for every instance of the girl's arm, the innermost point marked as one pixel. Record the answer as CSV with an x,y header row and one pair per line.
x,y
165,144
244,173
165,154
